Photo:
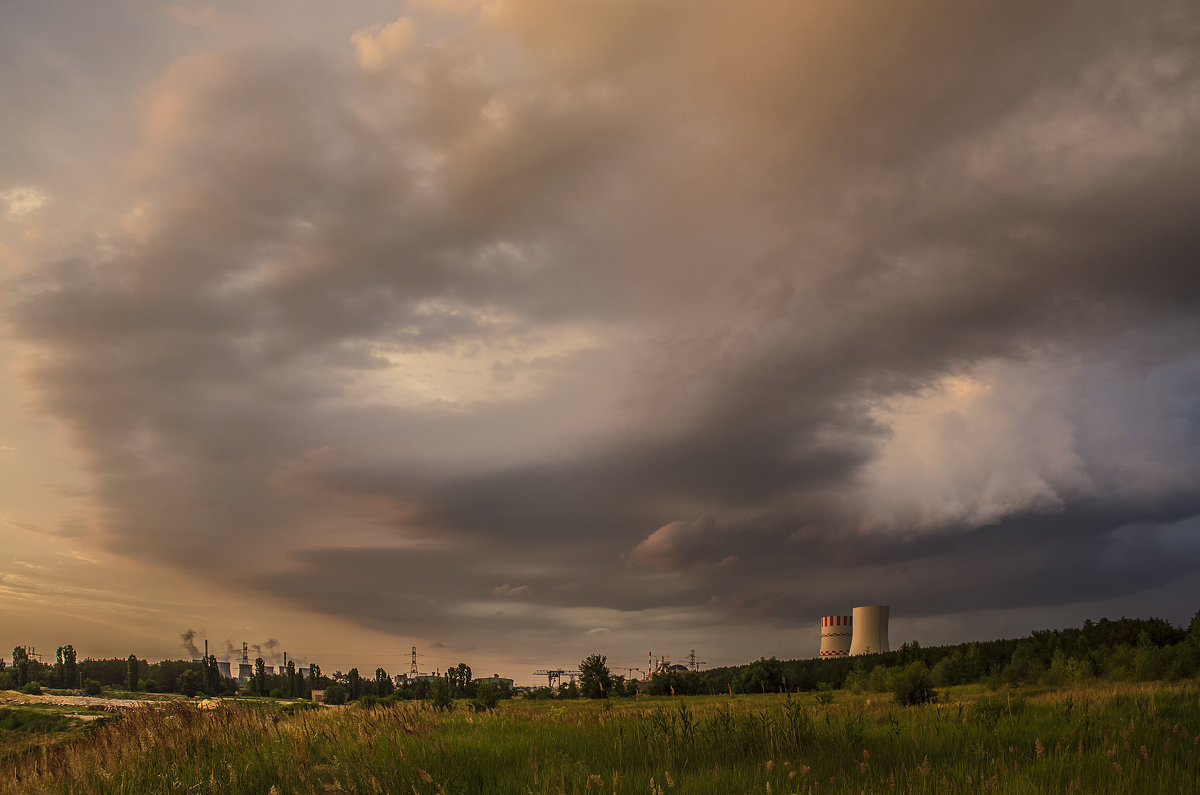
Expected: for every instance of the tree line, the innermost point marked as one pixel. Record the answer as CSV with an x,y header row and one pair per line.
x,y
204,677
1126,649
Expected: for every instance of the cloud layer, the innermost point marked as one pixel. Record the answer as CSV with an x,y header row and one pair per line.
x,y
504,324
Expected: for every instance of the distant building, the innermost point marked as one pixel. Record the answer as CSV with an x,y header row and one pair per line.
x,y
495,680
836,632
864,631
870,630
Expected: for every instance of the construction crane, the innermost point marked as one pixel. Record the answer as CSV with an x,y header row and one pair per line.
x,y
555,675
657,664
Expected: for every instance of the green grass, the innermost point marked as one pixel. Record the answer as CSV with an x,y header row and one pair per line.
x,y
1104,739
32,728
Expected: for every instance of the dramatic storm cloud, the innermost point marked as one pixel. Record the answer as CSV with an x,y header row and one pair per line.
x,y
534,328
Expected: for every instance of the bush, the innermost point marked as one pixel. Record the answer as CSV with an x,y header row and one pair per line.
x,y
32,689
92,687
335,694
486,698
824,693
302,705
189,683
440,697
911,684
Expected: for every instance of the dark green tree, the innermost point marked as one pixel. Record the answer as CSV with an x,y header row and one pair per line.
x,y
911,684
335,694
486,697
213,684
131,672
762,676
440,697
314,676
190,683
354,684
459,678
595,680
383,683
20,660
67,667
260,677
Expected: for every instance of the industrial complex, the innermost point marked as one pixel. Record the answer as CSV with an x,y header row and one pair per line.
x,y
864,631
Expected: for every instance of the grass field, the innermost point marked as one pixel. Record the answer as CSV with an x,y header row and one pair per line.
x,y
27,729
1130,738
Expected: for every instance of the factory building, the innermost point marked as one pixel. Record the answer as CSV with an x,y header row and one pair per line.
x,y
495,680
864,631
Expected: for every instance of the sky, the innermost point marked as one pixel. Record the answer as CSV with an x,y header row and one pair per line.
x,y
521,330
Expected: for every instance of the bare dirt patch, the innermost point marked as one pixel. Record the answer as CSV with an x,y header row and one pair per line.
x,y
15,697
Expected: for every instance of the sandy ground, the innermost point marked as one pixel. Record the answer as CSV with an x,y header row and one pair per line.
x,y
14,697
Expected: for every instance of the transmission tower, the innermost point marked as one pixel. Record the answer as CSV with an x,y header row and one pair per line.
x,y
412,669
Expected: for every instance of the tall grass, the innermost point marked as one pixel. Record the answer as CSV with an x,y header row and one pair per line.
x,y
1126,739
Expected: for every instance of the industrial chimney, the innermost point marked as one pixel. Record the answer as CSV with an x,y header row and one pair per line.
x,y
835,636
870,630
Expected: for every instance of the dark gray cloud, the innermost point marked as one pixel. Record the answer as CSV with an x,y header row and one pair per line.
x,y
566,320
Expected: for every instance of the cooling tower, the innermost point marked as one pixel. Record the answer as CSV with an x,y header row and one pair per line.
x,y
835,636
223,667
870,630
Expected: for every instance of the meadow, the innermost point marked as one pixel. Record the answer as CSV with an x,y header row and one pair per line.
x,y
1131,738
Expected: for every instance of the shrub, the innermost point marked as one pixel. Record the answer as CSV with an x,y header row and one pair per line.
x,y
32,689
335,694
824,693
301,705
440,697
92,687
911,684
486,698
189,683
